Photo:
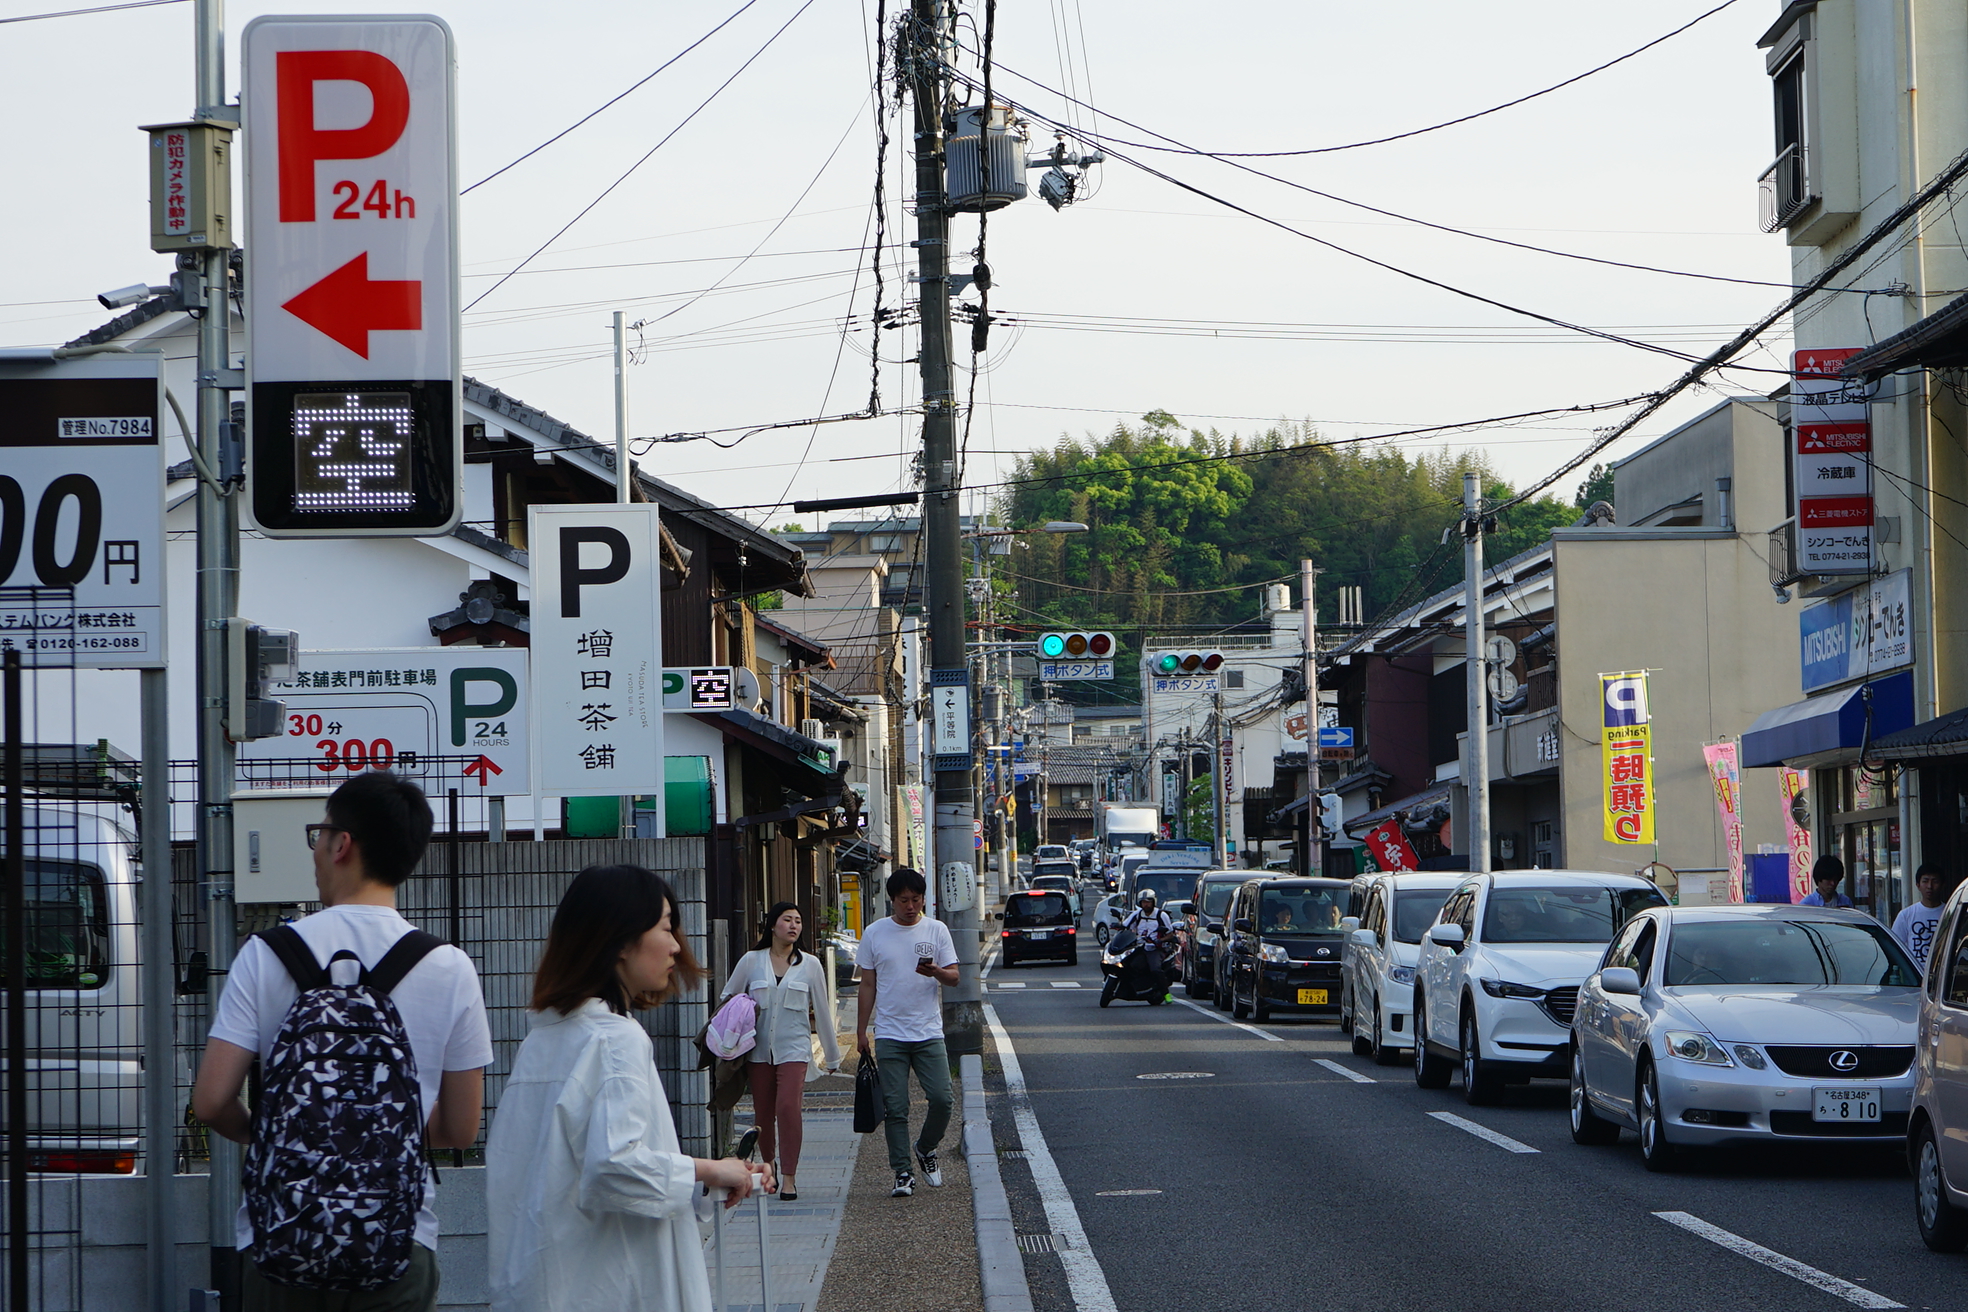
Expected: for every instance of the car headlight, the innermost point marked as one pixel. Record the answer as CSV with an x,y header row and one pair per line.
x,y
1750,1057
1693,1045
1273,952
1401,975
1497,988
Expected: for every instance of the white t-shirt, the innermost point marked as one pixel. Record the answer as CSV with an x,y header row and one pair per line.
x,y
442,1007
1915,928
908,1006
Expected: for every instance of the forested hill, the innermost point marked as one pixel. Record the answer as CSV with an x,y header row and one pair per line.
x,y
1187,526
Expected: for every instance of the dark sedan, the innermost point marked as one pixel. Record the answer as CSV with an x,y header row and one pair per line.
x,y
1039,925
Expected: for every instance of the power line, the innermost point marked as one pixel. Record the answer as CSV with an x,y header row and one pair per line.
x,y
99,9
645,158
585,117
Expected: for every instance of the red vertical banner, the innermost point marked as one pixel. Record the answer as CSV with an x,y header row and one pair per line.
x,y
1723,773
1796,784
1390,847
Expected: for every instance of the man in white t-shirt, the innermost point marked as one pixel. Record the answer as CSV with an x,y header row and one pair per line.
x,y
1915,927
374,832
906,961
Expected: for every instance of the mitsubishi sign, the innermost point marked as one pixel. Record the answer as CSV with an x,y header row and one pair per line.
x,y
352,357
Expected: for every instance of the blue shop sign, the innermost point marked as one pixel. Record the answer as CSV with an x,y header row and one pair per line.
x,y
1826,643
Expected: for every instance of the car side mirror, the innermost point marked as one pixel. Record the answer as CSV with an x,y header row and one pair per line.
x,y
1619,979
1242,926
1188,908
1212,926
1364,938
1349,923
1448,936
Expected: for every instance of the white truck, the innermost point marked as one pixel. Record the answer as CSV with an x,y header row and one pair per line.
x,y
1125,827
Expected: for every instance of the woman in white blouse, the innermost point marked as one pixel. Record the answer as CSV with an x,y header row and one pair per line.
x,y
795,1007
593,1208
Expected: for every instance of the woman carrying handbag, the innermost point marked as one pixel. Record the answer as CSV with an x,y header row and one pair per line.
x,y
796,1030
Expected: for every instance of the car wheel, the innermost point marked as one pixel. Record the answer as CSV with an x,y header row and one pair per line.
x,y
1073,957
1260,1009
1430,1071
1220,993
1382,1054
1237,1007
1588,1126
1943,1226
1480,1084
1656,1149
1346,1015
1101,934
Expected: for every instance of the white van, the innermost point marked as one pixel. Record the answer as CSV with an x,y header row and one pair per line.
x,y
84,1006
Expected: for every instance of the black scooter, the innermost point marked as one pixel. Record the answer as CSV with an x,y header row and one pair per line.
x,y
1134,970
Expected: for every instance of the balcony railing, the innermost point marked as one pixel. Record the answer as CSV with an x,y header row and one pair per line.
x,y
1782,190
1783,555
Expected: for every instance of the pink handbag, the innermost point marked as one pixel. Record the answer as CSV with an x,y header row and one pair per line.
x,y
733,1032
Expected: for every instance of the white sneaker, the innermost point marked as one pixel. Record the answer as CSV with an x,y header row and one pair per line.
x,y
931,1176
905,1185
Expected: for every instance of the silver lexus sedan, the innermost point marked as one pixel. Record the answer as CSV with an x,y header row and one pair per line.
x,y
1705,1025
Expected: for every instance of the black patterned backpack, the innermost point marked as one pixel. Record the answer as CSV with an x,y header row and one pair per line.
x,y
335,1172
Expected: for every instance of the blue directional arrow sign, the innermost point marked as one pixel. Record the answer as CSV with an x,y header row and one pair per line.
x,y
1335,736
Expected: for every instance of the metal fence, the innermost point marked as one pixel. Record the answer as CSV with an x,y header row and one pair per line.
x,y
71,959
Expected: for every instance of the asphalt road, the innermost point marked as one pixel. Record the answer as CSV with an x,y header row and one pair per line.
x,y
1281,1184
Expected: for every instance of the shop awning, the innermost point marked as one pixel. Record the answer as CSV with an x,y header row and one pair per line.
x,y
809,764
1835,722
1435,799
1945,735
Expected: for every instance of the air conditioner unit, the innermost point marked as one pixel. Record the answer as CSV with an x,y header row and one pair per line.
x,y
814,728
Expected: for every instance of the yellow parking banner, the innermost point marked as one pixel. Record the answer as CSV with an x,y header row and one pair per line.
x,y
1627,756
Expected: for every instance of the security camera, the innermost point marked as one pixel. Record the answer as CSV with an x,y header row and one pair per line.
x,y
134,294
1783,594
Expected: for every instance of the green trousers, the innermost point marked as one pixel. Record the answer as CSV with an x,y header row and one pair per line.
x,y
416,1292
932,1066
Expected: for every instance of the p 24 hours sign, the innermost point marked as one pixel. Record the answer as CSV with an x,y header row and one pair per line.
x,y
394,708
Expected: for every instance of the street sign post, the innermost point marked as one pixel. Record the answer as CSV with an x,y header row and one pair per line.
x,y
82,508
1054,671
597,650
354,400
702,688
950,716
1335,736
392,709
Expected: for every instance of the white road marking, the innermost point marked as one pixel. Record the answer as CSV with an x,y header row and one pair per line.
x,y
1065,983
1776,1261
1502,1141
1084,1279
1347,1071
1018,984
1126,1193
990,960
1248,1029
1178,1075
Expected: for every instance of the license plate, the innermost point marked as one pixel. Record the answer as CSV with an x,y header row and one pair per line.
x,y
1041,933
1845,1105
1311,997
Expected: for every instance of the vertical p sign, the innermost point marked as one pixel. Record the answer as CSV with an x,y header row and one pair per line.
x,y
1626,700
303,144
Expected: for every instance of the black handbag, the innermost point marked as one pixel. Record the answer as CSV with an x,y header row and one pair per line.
x,y
869,1112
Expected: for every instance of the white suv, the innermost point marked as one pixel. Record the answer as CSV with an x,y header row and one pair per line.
x,y
1499,972
1378,986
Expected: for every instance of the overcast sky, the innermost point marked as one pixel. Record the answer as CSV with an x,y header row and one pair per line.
x,y
1143,296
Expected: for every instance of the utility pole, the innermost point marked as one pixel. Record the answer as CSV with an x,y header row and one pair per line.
x,y
1220,785
625,816
217,601
956,812
1311,849
1476,760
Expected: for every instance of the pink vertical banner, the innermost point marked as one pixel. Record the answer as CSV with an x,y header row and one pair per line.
x,y
1723,773
1795,784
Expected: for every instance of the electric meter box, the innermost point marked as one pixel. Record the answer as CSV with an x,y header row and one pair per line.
x,y
190,186
971,131
270,857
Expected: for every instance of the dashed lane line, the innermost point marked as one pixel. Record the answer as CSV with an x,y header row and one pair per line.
x,y
1065,983
1085,1280
1347,1071
1790,1266
1248,1029
1483,1132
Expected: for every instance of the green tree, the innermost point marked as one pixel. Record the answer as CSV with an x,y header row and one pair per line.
x,y
1598,486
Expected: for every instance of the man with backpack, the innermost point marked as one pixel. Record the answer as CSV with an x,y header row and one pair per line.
x,y
372,1041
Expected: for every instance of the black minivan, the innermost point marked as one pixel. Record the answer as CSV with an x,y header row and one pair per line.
x,y
1282,943
1039,925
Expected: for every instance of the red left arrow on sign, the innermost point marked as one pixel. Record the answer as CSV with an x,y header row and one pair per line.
x,y
348,306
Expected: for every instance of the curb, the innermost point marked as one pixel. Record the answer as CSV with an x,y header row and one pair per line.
x,y
1000,1266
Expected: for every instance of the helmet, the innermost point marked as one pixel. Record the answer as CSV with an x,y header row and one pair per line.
x,y
1145,895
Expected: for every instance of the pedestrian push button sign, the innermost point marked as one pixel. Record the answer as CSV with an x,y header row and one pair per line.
x,y
352,277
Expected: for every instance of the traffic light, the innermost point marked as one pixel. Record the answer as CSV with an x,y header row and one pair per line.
x,y
256,659
380,459
1076,646
1175,664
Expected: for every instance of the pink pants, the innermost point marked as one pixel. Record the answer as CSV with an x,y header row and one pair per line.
x,y
776,1093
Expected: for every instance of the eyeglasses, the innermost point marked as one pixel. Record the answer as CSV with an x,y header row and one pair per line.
x,y
314,833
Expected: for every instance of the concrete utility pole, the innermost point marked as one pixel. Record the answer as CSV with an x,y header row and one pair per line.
x,y
1311,849
218,600
956,812
1220,780
1476,760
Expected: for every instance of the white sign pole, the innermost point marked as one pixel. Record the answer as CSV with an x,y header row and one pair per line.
x,y
597,651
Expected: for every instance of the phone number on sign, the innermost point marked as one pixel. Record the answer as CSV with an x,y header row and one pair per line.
x,y
67,642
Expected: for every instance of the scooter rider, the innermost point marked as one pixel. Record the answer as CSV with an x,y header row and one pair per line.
x,y
1148,921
